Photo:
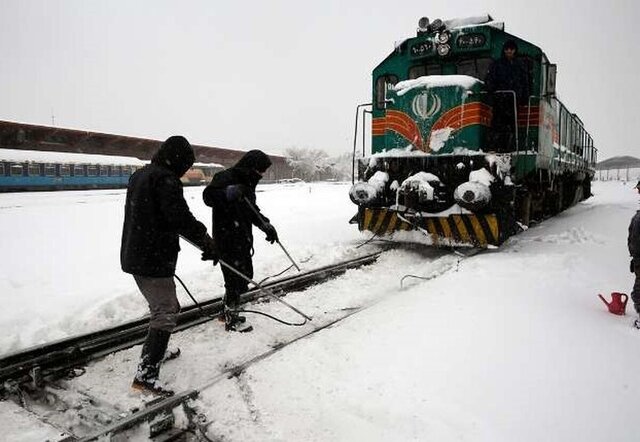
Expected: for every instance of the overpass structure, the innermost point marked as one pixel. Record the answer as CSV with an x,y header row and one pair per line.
x,y
14,135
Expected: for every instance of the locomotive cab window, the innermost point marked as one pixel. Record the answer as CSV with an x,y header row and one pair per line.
x,y
384,83
475,67
422,70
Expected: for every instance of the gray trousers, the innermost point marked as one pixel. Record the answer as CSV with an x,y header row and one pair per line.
x,y
635,293
160,294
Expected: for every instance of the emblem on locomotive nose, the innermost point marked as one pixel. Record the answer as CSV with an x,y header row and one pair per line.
x,y
426,104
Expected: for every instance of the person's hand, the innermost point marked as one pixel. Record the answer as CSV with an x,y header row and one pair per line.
x,y
272,235
235,192
209,250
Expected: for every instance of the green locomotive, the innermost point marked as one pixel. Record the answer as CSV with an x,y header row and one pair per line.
x,y
460,156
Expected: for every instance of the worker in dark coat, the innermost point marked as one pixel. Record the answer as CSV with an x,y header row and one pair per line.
x,y
156,214
508,73
633,242
231,195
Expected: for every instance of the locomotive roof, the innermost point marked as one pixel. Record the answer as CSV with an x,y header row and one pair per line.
x,y
463,24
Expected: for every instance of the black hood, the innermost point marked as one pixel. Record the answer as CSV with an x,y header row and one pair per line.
x,y
251,163
176,154
254,160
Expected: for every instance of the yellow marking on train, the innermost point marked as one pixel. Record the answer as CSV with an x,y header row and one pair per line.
x,y
492,221
393,222
381,217
464,235
482,239
446,230
431,228
368,214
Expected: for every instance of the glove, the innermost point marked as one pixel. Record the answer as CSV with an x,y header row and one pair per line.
x,y
209,250
272,235
235,192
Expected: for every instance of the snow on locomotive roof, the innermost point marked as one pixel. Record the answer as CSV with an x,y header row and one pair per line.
x,y
40,156
464,81
487,20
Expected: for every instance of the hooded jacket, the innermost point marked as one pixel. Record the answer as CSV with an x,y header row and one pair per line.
x,y
233,220
156,213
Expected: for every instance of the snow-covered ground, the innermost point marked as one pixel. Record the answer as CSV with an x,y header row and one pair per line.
x,y
511,344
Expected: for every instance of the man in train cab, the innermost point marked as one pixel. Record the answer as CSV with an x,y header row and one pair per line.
x,y
506,79
633,242
232,198
155,215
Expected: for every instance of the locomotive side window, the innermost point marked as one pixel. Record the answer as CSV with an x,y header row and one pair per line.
x,y
1,169
78,170
34,169
50,170
92,170
104,170
476,67
65,170
384,83
422,70
126,170
16,170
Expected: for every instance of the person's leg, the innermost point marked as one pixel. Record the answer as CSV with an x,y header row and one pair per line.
x,y
160,294
235,285
635,293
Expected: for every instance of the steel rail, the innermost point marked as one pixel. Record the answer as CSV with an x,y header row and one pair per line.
x,y
36,365
164,406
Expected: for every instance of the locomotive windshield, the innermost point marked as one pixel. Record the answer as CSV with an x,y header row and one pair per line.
x,y
474,67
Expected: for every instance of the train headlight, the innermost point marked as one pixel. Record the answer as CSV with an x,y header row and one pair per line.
x,y
472,195
443,37
437,25
423,24
443,49
363,193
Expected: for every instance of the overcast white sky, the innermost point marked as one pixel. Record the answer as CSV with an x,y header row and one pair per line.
x,y
276,74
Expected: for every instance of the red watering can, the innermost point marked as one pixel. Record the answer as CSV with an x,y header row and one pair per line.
x,y
618,303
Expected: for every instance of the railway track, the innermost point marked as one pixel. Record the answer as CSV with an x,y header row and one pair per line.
x,y
41,366
34,367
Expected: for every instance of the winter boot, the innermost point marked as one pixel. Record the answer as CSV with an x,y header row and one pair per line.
x,y
234,322
153,350
171,353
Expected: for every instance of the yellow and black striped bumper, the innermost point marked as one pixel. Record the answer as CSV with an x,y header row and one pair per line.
x,y
475,229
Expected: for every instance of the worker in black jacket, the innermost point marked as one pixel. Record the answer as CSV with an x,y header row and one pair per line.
x,y
633,242
156,214
507,79
231,195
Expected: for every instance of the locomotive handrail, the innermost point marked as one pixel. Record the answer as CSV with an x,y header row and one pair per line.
x,y
355,140
515,115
